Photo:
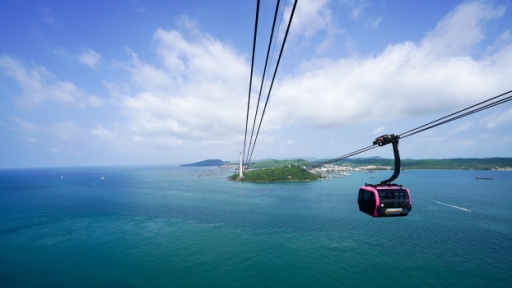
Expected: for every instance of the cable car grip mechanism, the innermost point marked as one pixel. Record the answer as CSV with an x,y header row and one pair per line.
x,y
384,140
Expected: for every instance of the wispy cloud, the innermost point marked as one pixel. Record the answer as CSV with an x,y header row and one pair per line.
x,y
48,17
102,133
376,22
24,124
310,17
378,130
409,79
66,130
38,85
497,120
462,127
189,96
358,7
31,140
90,58
460,30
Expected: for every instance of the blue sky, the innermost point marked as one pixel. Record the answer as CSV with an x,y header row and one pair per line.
x,y
166,82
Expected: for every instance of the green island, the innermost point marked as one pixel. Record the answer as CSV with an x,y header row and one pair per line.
x,y
278,174
296,170
383,163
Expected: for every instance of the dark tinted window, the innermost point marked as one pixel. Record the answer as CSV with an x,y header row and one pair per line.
x,y
393,198
394,194
366,201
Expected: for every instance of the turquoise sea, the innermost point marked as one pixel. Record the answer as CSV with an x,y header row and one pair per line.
x,y
190,227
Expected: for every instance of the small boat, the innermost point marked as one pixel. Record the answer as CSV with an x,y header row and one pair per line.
x,y
102,178
484,178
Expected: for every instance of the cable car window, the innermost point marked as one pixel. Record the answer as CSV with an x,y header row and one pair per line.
x,y
393,198
393,194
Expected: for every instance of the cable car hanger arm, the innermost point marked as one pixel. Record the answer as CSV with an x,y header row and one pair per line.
x,y
393,139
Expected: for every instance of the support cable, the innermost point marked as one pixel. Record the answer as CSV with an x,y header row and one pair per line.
x,y
263,77
252,69
273,78
490,105
345,156
433,124
477,104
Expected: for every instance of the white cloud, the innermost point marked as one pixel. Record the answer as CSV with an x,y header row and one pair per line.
x,y
25,125
310,17
461,29
66,130
468,142
502,41
462,127
90,58
103,133
376,22
31,140
358,7
405,80
39,85
48,17
497,120
378,130
197,92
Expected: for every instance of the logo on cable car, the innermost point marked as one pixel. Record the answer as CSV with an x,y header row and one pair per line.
x,y
393,211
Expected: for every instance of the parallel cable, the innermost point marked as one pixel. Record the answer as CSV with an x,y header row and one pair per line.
x,y
346,156
454,113
343,157
433,124
278,29
252,69
263,77
270,64
273,78
478,109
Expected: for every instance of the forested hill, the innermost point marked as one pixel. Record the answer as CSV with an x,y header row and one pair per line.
x,y
281,174
459,163
456,163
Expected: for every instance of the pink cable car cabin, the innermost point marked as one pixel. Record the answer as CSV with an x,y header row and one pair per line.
x,y
386,199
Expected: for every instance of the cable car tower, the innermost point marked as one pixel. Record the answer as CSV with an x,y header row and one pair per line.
x,y
241,174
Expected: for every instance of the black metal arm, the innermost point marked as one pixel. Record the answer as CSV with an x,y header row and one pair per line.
x,y
393,139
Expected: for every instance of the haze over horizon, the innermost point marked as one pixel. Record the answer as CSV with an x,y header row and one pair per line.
x,y
135,82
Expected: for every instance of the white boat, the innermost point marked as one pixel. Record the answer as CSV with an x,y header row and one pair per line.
x,y
102,177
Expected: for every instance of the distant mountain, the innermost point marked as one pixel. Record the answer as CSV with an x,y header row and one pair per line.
x,y
209,162
252,160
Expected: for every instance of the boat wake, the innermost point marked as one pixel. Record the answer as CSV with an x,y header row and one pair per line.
x,y
453,206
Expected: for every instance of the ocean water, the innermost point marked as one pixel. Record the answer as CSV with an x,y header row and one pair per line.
x,y
190,227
